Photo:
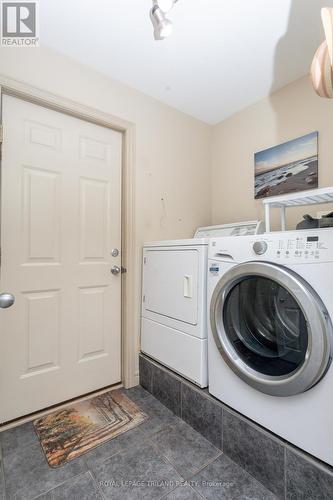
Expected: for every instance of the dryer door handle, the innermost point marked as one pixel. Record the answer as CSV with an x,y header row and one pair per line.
x,y
188,286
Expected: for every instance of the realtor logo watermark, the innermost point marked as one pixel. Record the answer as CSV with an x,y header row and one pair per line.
x,y
20,23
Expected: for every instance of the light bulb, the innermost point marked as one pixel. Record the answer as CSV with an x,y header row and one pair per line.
x,y
166,29
165,5
162,26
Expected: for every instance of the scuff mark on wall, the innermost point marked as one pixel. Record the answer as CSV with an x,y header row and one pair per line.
x,y
164,217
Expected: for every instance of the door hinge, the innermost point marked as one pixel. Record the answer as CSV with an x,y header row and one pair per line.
x,y
1,134
145,260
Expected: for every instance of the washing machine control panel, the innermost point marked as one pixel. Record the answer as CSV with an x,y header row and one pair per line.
x,y
295,248
289,247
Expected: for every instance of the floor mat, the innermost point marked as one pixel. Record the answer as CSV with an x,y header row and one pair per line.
x,y
68,433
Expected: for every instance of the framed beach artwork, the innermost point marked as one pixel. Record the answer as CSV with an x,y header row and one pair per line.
x,y
287,168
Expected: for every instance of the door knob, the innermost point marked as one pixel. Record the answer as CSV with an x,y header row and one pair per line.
x,y
6,300
115,270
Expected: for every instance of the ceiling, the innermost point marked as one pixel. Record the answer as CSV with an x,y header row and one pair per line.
x,y
222,56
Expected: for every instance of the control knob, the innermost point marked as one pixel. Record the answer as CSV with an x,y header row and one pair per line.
x,y
260,247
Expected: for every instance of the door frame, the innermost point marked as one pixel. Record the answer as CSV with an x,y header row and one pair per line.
x,y
130,314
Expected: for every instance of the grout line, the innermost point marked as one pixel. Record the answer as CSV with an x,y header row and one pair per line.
x,y
175,467
179,377
244,470
99,489
251,475
166,459
160,431
285,472
222,429
145,439
152,379
180,486
2,471
212,460
123,450
321,466
181,400
197,492
93,474
58,485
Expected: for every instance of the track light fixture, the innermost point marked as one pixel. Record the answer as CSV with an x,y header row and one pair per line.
x,y
163,27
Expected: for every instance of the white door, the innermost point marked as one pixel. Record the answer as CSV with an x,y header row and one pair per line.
x,y
60,220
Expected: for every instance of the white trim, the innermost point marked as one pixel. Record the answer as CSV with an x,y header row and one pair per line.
x,y
131,279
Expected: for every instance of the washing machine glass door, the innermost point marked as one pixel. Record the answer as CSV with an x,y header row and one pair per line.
x,y
271,328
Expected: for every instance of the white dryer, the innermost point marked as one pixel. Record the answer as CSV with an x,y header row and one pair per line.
x,y
174,319
270,341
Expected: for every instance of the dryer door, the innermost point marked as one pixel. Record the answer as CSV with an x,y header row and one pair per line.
x,y
271,328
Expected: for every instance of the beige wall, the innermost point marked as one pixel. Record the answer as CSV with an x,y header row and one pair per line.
x,y
173,150
289,113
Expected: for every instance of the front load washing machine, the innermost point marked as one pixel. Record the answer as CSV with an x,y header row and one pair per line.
x,y
270,301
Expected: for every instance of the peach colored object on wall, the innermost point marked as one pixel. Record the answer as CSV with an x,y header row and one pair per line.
x,y
321,68
322,73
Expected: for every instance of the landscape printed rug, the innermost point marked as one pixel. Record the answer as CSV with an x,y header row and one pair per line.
x,y
68,433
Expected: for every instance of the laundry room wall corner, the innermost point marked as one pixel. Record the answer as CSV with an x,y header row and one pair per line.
x,y
287,114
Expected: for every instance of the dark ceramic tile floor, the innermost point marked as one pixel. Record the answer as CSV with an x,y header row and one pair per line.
x,y
162,458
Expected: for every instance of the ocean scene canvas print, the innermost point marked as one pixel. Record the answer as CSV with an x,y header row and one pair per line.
x,y
287,168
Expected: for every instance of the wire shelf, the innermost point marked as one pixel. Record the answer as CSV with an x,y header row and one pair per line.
x,y
304,198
